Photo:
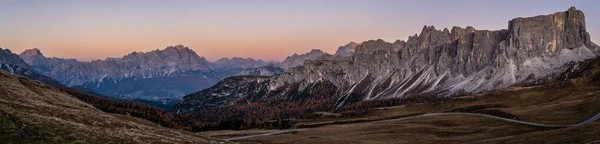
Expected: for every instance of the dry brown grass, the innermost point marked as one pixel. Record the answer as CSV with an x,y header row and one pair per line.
x,y
568,104
57,117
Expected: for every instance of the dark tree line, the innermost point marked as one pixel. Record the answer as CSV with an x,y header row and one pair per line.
x,y
273,113
135,109
364,105
281,112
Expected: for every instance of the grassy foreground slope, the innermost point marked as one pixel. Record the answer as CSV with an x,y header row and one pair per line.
x,y
33,112
572,98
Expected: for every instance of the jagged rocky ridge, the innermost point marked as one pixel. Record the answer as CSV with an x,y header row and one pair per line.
x,y
11,63
168,73
435,62
137,64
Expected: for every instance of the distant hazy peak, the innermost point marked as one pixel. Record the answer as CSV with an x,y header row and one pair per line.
x,y
32,52
297,60
179,46
316,51
346,50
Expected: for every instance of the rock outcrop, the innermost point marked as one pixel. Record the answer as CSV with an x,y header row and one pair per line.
x,y
439,62
297,60
346,50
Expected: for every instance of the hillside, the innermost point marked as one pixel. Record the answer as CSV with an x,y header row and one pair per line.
x,y
33,112
573,99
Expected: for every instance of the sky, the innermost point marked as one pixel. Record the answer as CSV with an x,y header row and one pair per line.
x,y
262,29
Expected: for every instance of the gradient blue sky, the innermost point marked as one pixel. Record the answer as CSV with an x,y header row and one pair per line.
x,y
265,29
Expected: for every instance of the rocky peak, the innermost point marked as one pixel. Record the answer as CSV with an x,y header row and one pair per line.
x,y
7,57
31,55
315,51
171,55
237,60
346,50
298,60
352,43
177,48
372,46
180,47
431,37
546,35
32,52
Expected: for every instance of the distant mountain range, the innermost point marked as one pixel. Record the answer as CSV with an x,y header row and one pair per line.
x,y
168,73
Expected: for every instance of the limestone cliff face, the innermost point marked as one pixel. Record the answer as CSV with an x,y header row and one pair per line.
x,y
446,62
547,34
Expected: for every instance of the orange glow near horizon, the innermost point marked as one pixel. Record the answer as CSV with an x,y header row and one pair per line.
x,y
261,29
87,49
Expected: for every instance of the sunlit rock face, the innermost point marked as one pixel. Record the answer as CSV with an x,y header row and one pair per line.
x,y
441,62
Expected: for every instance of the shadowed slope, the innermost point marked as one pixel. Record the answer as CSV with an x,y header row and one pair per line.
x,y
35,112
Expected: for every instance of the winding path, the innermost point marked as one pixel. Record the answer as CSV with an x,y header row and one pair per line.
x,y
264,134
592,119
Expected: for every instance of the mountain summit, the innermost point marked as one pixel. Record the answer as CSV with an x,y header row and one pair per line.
x,y
346,50
32,53
298,60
